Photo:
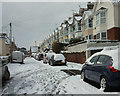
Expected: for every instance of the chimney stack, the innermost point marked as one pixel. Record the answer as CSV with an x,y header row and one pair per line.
x,y
90,5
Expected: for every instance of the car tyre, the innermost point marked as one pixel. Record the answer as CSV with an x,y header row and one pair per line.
x,y
7,74
103,84
83,76
51,63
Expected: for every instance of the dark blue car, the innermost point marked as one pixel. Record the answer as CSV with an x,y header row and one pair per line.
x,y
100,68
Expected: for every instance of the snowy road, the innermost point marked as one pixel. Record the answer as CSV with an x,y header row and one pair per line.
x,y
34,77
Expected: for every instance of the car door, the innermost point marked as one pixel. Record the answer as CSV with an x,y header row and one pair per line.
x,y
99,67
90,68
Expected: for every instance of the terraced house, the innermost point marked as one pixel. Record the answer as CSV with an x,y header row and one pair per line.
x,y
106,21
96,26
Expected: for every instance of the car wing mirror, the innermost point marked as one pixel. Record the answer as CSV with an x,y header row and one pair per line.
x,y
89,63
99,62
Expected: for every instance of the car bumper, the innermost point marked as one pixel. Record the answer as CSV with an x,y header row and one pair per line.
x,y
59,63
114,80
115,83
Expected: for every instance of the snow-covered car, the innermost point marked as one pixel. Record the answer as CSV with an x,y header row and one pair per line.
x,y
46,57
5,59
57,59
104,68
4,69
18,57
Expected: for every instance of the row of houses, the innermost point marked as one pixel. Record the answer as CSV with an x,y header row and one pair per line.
x,y
5,45
96,26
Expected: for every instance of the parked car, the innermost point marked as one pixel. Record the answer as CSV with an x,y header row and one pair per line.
x,y
36,56
4,69
5,59
104,68
46,57
57,59
18,57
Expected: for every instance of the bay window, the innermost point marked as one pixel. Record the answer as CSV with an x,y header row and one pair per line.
x,y
101,18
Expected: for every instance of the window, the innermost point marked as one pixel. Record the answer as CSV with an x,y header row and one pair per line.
x,y
73,27
91,36
102,59
86,37
97,19
103,35
66,40
101,18
90,23
79,26
94,59
98,36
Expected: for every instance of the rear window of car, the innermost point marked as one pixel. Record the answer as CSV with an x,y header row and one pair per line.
x,y
59,57
102,59
50,54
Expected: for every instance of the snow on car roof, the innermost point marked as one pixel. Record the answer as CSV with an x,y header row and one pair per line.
x,y
114,53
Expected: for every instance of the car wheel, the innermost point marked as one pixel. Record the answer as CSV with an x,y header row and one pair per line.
x,y
103,84
83,76
7,74
21,62
51,63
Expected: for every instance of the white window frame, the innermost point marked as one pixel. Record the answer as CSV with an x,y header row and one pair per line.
x,y
105,37
101,19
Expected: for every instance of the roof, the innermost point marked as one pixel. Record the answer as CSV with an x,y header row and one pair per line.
x,y
78,18
59,28
64,25
70,21
95,48
115,1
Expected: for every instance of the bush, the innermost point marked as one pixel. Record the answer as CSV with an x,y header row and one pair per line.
x,y
75,40
57,47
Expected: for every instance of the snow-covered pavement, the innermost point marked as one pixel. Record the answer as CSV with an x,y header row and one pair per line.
x,y
34,77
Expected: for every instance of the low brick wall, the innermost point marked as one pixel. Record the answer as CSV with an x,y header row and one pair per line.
x,y
78,57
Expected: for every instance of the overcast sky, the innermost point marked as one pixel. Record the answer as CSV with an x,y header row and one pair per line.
x,y
35,21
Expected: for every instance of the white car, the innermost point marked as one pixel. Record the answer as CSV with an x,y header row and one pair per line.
x,y
57,59
18,57
46,57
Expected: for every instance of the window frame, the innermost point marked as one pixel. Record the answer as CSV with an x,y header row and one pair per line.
x,y
101,19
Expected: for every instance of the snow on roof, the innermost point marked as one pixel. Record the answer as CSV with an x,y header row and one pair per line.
x,y
56,31
78,18
63,25
59,28
95,48
114,1
70,21
7,41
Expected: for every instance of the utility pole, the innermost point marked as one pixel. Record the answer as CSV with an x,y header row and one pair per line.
x,y
10,41
35,43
